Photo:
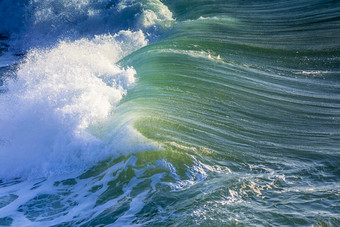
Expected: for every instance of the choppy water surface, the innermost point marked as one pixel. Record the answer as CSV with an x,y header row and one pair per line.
x,y
170,113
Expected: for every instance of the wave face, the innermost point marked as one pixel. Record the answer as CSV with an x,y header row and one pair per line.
x,y
169,113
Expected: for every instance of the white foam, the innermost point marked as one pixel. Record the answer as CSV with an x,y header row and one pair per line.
x,y
58,95
157,14
153,13
43,22
197,173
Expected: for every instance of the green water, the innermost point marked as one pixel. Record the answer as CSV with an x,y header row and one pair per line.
x,y
251,91
241,102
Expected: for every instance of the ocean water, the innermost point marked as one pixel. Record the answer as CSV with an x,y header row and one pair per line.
x,y
170,113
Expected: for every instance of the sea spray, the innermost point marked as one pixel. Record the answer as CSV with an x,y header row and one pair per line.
x,y
43,23
241,98
55,96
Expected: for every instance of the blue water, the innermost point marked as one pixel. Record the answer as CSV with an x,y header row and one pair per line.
x,y
169,113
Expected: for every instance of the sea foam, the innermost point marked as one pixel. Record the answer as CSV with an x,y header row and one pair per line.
x,y
41,23
57,95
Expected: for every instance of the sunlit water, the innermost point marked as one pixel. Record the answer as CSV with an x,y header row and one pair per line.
x,y
170,113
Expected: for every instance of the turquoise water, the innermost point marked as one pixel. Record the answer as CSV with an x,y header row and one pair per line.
x,y
170,113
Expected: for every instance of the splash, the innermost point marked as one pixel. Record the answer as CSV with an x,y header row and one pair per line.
x,y
58,94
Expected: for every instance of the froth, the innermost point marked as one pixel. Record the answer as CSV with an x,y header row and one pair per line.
x,y
58,94
41,23
153,13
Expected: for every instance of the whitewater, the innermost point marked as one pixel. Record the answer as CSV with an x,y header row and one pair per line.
x,y
169,113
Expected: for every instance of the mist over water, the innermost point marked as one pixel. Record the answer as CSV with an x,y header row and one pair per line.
x,y
169,113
